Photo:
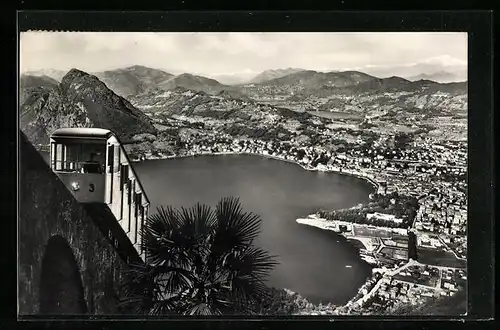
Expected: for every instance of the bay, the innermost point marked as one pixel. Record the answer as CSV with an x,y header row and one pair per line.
x,y
312,261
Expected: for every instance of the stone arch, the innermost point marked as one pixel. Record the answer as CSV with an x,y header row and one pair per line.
x,y
61,289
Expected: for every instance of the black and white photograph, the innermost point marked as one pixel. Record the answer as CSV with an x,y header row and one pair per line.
x,y
243,173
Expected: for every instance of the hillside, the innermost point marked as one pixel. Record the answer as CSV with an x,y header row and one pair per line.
x,y
132,80
445,306
296,89
32,88
135,80
80,100
309,79
441,76
354,92
51,73
273,74
186,102
391,100
29,81
192,82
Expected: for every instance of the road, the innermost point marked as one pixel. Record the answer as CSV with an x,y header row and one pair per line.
x,y
393,272
367,296
416,162
450,249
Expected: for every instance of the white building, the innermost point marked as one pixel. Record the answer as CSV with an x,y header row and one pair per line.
x,y
383,216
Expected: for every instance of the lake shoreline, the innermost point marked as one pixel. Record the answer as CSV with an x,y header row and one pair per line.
x,y
372,182
376,186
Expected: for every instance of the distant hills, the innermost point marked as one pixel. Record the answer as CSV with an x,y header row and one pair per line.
x,y
442,69
309,79
441,76
136,80
80,100
355,91
273,74
54,74
132,80
139,79
29,81
118,99
189,81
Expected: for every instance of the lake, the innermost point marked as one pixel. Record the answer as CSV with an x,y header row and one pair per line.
x,y
312,261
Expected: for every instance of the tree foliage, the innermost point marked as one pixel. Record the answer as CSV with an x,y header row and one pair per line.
x,y
402,140
200,261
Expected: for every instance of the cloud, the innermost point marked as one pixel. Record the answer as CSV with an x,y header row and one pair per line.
x,y
215,53
445,60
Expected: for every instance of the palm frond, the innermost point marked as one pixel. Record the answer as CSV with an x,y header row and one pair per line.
x,y
167,306
227,208
201,309
200,262
164,220
197,224
247,292
253,261
166,239
139,288
175,281
235,228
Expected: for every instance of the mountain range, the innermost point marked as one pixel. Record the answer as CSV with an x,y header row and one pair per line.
x,y
441,69
441,76
273,74
307,79
54,74
120,99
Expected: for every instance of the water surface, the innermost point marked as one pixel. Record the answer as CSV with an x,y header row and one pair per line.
x,y
312,261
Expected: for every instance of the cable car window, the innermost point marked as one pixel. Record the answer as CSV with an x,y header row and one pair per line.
x,y
58,157
117,159
129,186
111,158
53,155
123,176
142,218
63,156
82,157
123,181
138,202
135,213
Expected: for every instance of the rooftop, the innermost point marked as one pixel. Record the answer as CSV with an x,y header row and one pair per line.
x,y
82,132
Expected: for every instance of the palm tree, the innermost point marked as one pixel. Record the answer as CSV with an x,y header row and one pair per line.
x,y
200,261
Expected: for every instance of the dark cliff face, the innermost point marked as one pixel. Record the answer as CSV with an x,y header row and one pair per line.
x,y
80,100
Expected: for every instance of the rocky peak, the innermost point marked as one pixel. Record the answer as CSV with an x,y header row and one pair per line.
x,y
72,75
81,100
76,78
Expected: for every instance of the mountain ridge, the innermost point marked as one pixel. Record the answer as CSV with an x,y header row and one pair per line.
x,y
271,74
344,91
52,73
80,100
441,77
313,79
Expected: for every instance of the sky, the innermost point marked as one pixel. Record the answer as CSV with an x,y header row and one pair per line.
x,y
228,53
